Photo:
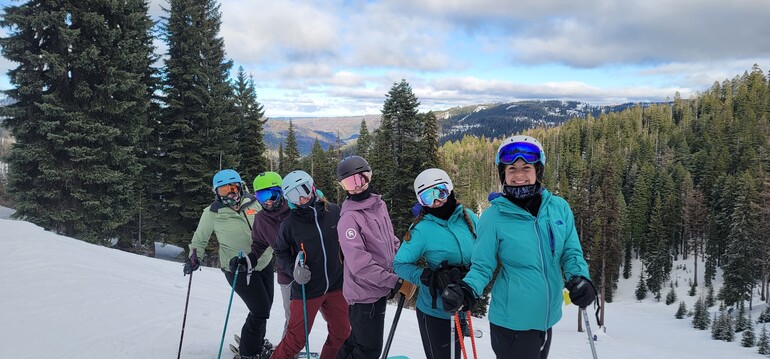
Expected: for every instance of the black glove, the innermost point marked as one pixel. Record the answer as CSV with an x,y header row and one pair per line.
x,y
396,288
426,277
458,296
239,264
438,280
192,263
581,291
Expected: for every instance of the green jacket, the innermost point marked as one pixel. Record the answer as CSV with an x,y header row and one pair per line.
x,y
435,240
536,255
233,230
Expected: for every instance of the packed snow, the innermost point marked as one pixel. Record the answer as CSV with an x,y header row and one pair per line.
x,y
64,298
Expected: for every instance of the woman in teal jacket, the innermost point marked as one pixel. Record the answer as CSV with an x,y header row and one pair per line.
x,y
443,234
532,233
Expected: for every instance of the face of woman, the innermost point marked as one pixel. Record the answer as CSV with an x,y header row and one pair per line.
x,y
520,173
438,203
304,200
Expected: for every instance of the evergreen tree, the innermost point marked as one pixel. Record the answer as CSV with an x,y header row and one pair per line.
x,y
765,316
321,168
199,122
710,297
641,288
250,114
656,258
763,345
281,163
671,296
681,311
700,319
742,267
430,140
748,338
75,167
741,322
364,141
693,290
717,329
291,157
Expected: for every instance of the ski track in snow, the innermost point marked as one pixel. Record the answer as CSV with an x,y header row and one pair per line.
x,y
65,298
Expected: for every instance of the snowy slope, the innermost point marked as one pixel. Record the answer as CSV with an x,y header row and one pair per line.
x,y
64,298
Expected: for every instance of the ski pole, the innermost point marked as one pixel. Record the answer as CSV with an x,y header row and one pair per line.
x,y
227,317
460,335
304,303
184,317
452,337
473,333
393,327
588,331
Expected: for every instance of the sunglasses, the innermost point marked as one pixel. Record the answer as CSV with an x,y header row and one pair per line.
x,y
438,192
269,194
295,194
529,152
223,191
354,182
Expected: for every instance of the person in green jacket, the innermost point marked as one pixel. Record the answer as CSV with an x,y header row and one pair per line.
x,y
443,234
231,218
531,232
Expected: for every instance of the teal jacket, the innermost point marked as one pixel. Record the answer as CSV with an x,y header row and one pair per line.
x,y
435,240
536,254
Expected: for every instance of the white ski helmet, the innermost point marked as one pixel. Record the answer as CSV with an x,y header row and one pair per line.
x,y
297,184
522,139
430,178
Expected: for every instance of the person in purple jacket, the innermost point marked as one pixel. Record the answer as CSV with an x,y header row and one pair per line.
x,y
267,189
368,246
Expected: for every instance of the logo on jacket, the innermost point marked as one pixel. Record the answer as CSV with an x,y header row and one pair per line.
x,y
559,222
351,233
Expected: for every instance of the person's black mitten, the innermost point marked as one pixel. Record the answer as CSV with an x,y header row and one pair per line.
x,y
581,291
457,296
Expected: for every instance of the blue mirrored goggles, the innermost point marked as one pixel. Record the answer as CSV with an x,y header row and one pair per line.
x,y
438,192
528,152
269,194
294,194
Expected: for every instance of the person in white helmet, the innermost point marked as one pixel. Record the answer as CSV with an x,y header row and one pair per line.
x,y
443,234
531,232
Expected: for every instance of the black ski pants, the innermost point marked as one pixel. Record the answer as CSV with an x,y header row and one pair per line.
x,y
367,323
520,344
258,296
435,333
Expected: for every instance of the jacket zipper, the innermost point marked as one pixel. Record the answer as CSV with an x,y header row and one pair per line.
x,y
323,247
545,276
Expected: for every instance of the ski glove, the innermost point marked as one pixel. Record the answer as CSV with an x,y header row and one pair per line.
x,y
192,263
458,296
581,291
242,264
301,274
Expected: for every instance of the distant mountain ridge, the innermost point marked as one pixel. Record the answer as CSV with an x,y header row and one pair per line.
x,y
489,120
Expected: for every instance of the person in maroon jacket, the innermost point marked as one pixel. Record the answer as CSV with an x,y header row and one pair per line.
x,y
267,189
369,246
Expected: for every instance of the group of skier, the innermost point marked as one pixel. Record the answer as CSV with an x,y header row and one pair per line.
x,y
347,262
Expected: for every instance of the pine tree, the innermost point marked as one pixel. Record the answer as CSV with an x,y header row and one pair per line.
x,y
693,290
748,339
75,167
681,311
710,297
364,141
430,139
763,345
765,316
319,166
700,319
199,125
291,157
250,114
641,288
671,296
741,322
281,163
717,329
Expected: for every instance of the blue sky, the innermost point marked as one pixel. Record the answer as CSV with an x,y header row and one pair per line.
x,y
337,58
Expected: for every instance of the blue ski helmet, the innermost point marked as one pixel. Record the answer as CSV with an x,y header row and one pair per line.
x,y
224,177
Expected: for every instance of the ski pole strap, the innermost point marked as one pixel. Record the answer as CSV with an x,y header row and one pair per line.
x,y
473,334
460,335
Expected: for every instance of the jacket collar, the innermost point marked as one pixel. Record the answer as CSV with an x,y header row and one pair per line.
x,y
371,203
505,206
246,201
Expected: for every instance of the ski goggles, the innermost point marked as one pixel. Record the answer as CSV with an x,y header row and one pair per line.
x,y
225,190
356,181
268,194
295,194
528,152
438,192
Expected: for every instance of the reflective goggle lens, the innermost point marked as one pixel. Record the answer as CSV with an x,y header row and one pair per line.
x,y
294,194
438,192
529,152
223,191
268,194
356,181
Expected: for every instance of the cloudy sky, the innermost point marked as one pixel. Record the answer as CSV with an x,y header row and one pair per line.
x,y
335,57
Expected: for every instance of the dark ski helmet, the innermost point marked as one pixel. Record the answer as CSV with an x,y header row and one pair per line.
x,y
351,165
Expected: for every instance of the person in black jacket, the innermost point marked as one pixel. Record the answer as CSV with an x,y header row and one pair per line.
x,y
311,229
